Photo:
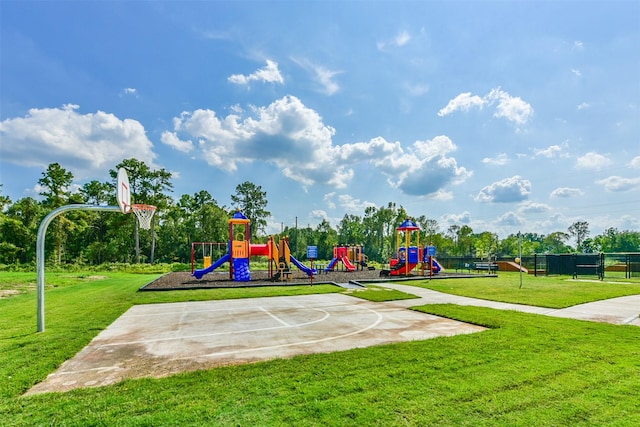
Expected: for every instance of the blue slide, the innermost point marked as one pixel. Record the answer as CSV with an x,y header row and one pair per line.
x,y
199,273
331,265
303,267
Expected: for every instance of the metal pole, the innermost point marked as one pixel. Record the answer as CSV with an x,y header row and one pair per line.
x,y
520,257
40,258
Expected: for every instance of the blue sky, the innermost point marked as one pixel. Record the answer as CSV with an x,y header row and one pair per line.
x,y
503,116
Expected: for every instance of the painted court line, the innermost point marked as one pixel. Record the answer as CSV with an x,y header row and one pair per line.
x,y
273,316
214,334
292,344
157,340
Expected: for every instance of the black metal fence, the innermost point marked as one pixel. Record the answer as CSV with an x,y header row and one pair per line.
x,y
613,265
621,265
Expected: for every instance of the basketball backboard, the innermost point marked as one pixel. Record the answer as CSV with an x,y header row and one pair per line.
x,y
123,192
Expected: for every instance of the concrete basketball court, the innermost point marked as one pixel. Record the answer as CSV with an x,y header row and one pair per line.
x,y
157,340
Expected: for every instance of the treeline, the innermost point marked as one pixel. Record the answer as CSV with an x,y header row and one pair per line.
x,y
91,237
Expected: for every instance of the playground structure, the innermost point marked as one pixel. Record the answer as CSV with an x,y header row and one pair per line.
x,y
240,249
409,256
352,257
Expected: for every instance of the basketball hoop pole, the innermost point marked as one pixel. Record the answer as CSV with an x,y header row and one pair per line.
x,y
42,231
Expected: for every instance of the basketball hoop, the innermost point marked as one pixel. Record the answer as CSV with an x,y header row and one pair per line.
x,y
144,213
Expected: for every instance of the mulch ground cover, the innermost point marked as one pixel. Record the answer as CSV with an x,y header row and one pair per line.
x,y
220,279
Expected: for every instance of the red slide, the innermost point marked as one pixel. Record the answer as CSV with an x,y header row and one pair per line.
x,y
347,263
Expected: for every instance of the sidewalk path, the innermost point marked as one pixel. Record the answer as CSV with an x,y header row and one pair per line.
x,y
619,311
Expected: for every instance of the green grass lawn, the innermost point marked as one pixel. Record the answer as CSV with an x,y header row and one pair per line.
x,y
543,291
526,370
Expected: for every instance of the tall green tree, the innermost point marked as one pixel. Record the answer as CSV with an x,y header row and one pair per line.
x,y
579,230
20,231
55,187
351,230
252,201
327,239
4,201
556,243
486,244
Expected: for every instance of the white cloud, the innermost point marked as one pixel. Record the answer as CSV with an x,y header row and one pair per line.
x,y
352,204
129,91
323,76
442,195
509,107
401,39
462,218
514,189
499,160
529,207
509,219
462,102
424,168
628,222
566,192
635,162
551,151
320,215
328,199
618,183
576,72
172,140
269,74
285,133
583,106
593,161
294,139
85,144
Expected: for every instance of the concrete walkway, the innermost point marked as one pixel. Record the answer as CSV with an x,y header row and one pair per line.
x,y
619,311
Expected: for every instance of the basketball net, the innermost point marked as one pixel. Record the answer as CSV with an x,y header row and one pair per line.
x,y
144,213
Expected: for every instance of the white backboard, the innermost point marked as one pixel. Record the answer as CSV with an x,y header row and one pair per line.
x,y
123,192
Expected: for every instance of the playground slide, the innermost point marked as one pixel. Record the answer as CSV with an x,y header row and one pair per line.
x,y
437,267
302,267
347,263
199,273
400,269
331,265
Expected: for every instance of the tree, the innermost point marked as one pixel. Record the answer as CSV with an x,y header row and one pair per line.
x,y
96,192
55,184
580,231
350,230
147,187
486,244
429,226
252,201
327,239
4,201
555,243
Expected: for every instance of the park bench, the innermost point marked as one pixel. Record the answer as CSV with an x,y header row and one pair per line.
x,y
485,266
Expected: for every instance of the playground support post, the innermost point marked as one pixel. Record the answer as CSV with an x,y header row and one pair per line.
x,y
40,258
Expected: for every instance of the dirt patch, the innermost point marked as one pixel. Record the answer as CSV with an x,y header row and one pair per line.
x,y
9,293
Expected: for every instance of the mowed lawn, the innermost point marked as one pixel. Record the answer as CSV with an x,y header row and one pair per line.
x,y
525,370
